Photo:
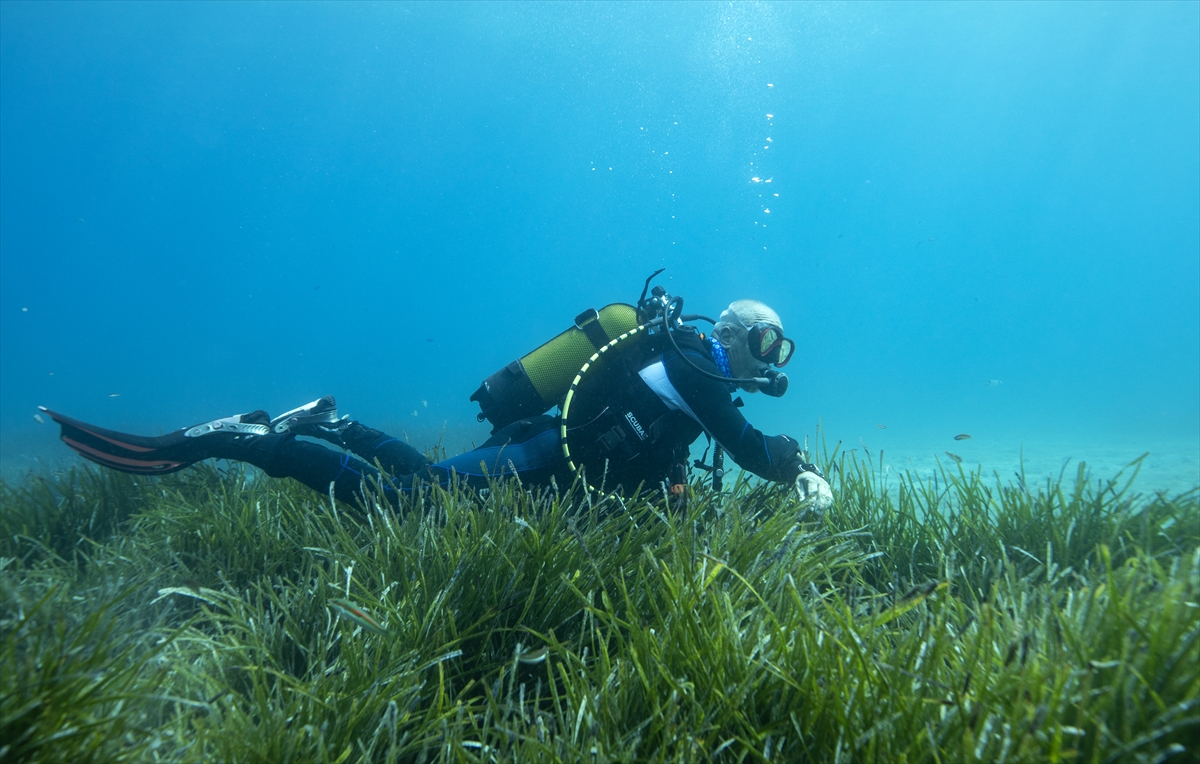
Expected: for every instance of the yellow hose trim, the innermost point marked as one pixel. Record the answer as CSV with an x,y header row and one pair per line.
x,y
566,407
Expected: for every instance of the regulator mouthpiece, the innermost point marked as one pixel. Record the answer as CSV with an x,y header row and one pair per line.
x,y
774,384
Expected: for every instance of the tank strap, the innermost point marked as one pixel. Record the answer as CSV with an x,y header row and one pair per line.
x,y
589,322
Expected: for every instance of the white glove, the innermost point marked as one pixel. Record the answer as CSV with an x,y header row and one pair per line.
x,y
814,491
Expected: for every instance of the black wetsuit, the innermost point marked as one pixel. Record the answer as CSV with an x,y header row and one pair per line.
x,y
631,422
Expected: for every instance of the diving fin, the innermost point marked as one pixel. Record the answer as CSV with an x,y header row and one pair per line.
x,y
319,414
168,453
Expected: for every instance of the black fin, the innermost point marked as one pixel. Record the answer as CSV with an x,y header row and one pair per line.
x,y
136,454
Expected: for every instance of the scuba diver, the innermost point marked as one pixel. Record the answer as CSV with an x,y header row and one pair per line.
x,y
635,387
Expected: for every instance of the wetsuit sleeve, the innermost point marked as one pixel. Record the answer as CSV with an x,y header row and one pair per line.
x,y
774,457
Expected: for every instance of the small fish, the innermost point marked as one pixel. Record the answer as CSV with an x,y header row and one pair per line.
x,y
995,382
921,590
910,600
962,436
881,426
537,656
38,418
955,457
351,612
114,395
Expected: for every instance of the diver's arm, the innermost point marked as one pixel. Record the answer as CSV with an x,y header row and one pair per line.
x,y
774,457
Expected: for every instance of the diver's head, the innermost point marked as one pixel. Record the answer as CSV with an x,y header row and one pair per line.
x,y
752,335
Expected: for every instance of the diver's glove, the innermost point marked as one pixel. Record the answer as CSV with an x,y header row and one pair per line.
x,y
813,489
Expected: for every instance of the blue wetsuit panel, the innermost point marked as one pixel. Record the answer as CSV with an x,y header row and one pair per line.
x,y
539,452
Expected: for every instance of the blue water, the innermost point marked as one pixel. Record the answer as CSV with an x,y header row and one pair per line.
x,y
983,218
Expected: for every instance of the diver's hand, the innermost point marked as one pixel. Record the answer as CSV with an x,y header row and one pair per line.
x,y
814,491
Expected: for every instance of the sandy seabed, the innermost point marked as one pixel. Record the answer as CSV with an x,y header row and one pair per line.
x,y
1169,465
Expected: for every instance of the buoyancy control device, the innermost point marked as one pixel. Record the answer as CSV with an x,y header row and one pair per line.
x,y
537,381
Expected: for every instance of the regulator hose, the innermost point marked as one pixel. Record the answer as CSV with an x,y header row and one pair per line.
x,y
566,405
774,384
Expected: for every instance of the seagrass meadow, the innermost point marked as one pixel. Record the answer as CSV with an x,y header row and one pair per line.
x,y
190,618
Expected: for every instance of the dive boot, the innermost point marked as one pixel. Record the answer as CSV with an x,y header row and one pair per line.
x,y
233,437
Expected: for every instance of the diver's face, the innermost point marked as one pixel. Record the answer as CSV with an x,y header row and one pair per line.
x,y
741,362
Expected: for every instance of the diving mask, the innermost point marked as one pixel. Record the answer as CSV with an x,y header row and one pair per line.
x,y
768,344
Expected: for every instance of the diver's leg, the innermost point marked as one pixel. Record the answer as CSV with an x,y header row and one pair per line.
x,y
317,467
243,437
528,449
319,419
395,455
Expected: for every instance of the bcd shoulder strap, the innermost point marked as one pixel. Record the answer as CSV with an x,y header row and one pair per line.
x,y
589,322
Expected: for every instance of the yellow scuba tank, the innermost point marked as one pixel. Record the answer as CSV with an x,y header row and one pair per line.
x,y
537,381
